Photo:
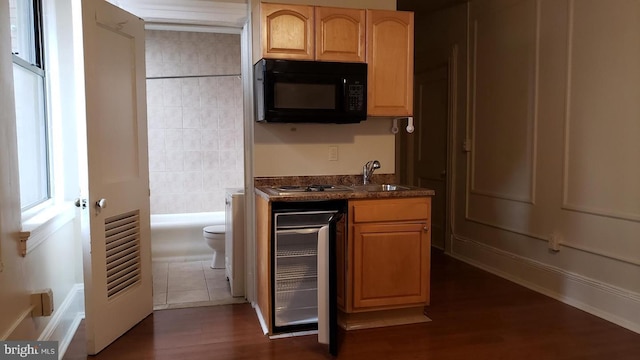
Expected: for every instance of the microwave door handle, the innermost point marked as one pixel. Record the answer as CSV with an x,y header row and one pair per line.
x,y
345,95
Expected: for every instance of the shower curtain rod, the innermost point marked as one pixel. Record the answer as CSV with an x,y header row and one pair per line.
x,y
189,76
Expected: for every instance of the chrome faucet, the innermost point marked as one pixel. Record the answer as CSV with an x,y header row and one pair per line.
x,y
368,169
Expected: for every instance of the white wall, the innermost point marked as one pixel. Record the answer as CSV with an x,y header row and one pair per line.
x,y
303,149
553,123
14,298
55,263
194,108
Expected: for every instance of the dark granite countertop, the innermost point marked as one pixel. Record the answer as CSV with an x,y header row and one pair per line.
x,y
343,195
264,188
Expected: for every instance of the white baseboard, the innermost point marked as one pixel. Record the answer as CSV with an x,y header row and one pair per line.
x,y
619,306
65,320
263,324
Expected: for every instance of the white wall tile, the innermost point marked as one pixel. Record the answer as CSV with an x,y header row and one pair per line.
x,y
209,117
174,161
155,117
193,182
228,142
192,161
171,92
190,92
172,117
227,160
191,139
154,93
227,117
185,115
209,139
211,180
173,140
157,161
191,117
171,51
175,182
156,139
210,160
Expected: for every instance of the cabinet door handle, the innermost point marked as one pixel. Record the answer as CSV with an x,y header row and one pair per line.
x,y
425,228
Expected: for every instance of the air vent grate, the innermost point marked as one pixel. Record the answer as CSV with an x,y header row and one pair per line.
x,y
122,239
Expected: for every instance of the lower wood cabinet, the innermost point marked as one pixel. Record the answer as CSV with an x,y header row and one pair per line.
x,y
388,254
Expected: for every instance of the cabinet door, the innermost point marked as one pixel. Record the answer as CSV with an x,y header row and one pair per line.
x,y
287,31
263,254
340,34
390,60
390,265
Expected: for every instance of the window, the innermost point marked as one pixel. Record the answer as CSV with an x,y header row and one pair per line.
x,y
31,116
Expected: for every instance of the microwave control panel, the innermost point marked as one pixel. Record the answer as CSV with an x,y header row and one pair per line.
x,y
355,97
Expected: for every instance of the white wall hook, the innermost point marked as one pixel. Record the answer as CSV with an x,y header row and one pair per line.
x,y
410,127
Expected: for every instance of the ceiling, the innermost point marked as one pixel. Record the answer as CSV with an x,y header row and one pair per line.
x,y
218,13
232,13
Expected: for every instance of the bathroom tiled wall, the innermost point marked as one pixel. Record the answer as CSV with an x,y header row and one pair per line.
x,y
194,111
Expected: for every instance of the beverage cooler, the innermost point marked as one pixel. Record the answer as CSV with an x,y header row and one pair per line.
x,y
304,269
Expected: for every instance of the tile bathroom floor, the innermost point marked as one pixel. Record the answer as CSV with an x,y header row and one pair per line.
x,y
190,284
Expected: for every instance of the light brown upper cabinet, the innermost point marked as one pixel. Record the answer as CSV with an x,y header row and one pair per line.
x,y
301,32
340,34
390,63
286,32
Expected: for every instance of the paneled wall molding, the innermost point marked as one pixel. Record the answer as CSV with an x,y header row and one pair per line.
x,y
586,131
605,254
599,212
496,195
531,117
506,228
564,243
614,304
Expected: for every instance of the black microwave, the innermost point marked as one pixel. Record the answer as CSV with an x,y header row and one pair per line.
x,y
294,91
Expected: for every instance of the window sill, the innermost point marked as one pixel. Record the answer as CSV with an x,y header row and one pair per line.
x,y
39,227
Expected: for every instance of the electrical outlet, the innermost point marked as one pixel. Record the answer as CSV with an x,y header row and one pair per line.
x,y
333,153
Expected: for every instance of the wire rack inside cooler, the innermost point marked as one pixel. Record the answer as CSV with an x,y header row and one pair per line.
x,y
295,249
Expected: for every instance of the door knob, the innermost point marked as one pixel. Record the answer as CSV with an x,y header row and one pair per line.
x,y
102,203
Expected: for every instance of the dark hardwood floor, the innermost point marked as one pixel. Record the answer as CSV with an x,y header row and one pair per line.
x,y
475,315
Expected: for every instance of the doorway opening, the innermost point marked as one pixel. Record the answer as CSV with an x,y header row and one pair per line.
x,y
196,159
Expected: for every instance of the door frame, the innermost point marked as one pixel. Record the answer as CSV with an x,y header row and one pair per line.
x,y
405,144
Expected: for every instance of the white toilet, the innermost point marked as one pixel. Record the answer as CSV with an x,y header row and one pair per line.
x,y
214,237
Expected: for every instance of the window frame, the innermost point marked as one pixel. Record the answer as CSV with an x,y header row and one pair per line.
x,y
38,69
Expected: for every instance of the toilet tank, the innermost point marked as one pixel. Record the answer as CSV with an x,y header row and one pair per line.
x,y
234,240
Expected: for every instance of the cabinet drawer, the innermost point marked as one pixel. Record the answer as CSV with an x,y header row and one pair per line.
x,y
390,209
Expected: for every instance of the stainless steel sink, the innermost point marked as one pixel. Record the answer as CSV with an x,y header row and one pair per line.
x,y
380,187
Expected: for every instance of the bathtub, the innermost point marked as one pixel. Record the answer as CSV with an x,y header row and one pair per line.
x,y
178,237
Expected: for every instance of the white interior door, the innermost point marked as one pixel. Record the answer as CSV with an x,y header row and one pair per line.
x,y
115,221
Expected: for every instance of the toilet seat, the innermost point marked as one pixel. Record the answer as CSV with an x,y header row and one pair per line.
x,y
214,229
